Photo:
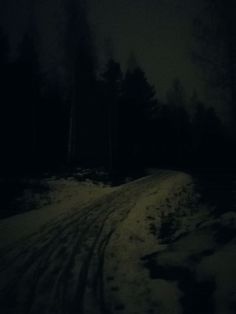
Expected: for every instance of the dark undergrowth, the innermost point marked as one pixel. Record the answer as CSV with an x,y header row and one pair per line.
x,y
217,188
197,295
18,194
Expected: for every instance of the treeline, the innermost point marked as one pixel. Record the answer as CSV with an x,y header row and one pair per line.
x,y
34,117
113,120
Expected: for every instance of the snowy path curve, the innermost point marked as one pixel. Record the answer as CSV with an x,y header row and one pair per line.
x,y
60,269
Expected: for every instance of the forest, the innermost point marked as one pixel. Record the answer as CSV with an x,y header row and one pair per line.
x,y
117,173
111,119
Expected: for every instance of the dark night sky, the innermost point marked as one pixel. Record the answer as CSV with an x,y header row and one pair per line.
x,y
159,33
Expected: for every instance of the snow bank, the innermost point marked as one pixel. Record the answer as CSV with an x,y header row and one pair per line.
x,y
171,255
129,285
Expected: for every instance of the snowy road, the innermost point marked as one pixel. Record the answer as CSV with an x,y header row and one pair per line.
x,y
89,260
60,268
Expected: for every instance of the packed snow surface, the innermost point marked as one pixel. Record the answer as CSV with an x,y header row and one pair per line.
x,y
148,246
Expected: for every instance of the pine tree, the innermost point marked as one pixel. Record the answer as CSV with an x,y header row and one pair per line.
x,y
138,102
179,125
24,99
81,75
112,78
5,112
208,138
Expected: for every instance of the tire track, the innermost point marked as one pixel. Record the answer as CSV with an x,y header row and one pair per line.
x,y
60,269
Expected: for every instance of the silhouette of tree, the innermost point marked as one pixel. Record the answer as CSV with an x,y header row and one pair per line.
x,y
5,114
215,31
208,138
163,151
81,74
179,133
132,63
175,95
138,100
4,50
52,137
23,89
112,79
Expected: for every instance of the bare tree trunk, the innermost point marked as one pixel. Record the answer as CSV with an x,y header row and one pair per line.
x,y
110,142
72,131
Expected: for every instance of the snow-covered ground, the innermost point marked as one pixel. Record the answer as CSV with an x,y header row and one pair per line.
x,y
148,246
64,197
